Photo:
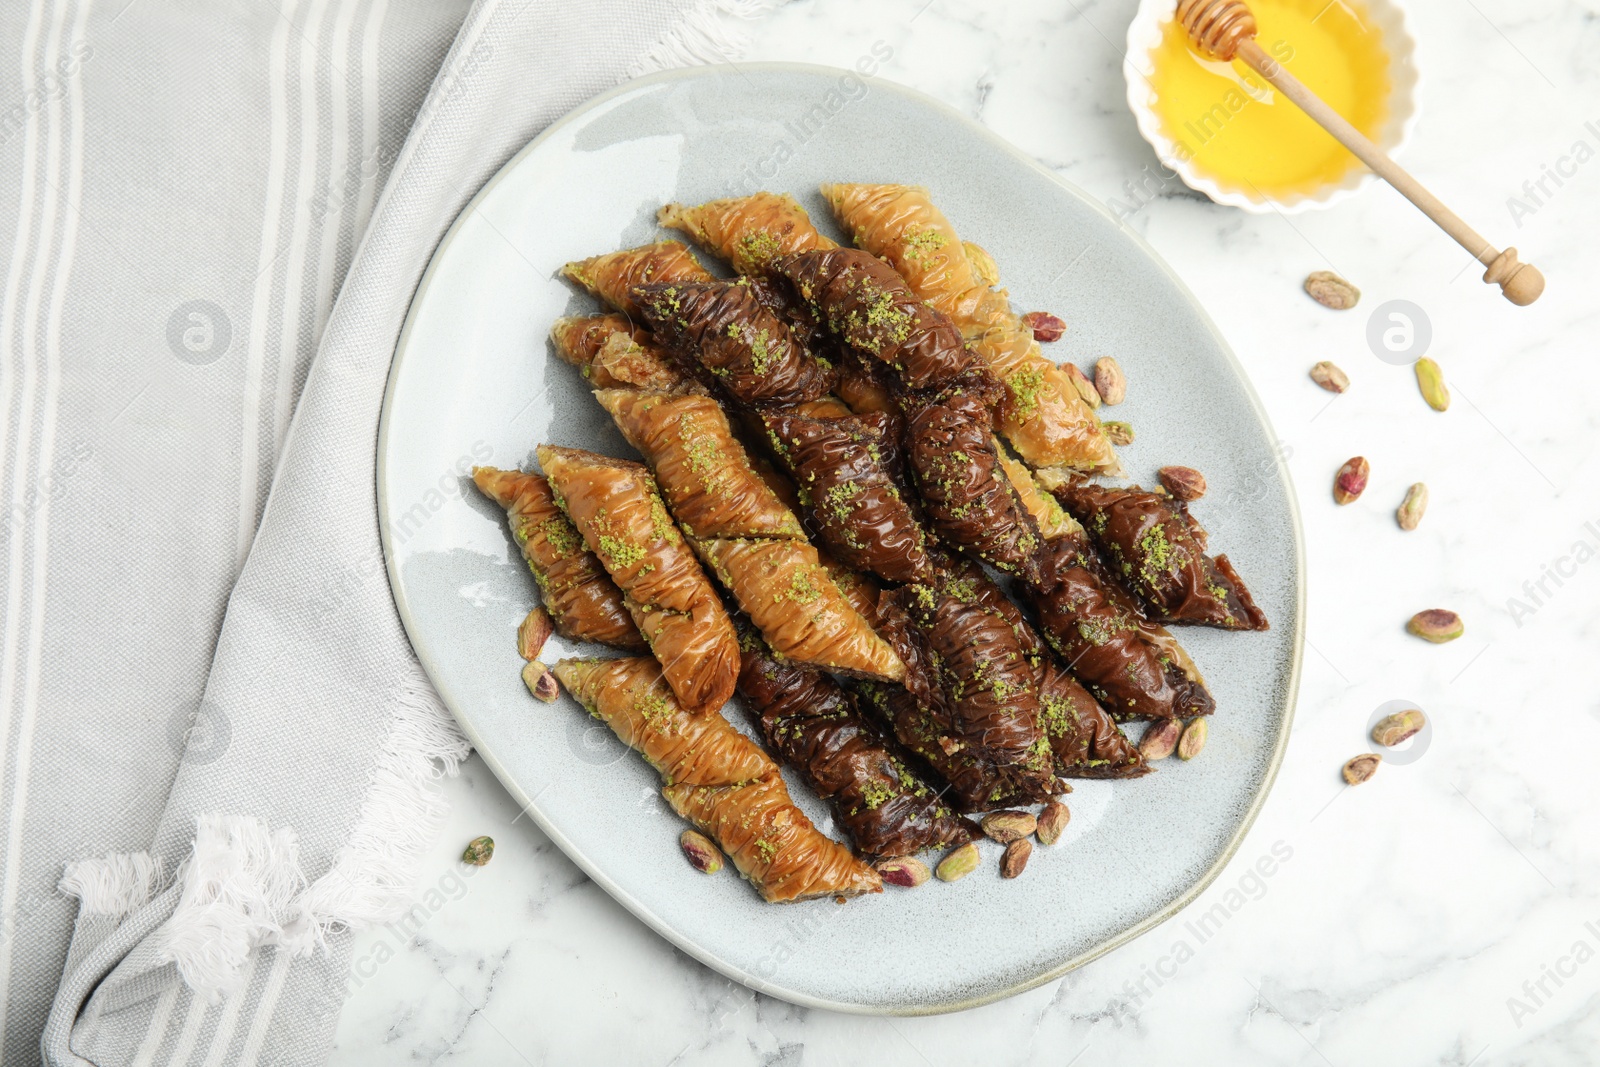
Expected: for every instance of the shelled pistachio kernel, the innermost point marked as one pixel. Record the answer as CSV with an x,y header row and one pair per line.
x,y
1437,625
1015,858
1110,380
533,633
958,864
1330,377
1393,729
1052,822
540,681
1008,826
908,872
1193,739
1409,513
1331,291
1160,739
1361,768
1118,433
1430,381
479,850
1351,480
1184,483
702,854
1080,381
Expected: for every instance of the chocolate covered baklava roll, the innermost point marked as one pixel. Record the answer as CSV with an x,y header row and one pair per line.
x,y
968,499
868,306
1155,548
742,344
1041,413
1127,662
855,506
813,725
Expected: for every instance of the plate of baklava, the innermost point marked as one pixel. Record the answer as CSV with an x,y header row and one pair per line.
x,y
854,548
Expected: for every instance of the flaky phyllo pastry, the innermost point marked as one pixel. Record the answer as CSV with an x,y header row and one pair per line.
x,y
614,505
611,351
583,602
719,780
615,275
750,231
1042,415
750,540
742,344
815,726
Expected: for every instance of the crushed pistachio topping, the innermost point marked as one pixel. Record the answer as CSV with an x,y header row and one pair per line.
x,y
921,244
1026,386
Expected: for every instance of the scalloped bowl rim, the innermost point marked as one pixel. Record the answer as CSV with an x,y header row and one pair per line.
x,y
1144,33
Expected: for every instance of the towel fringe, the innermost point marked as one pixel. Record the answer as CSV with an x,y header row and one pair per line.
x,y
373,876
705,35
113,884
243,886
237,884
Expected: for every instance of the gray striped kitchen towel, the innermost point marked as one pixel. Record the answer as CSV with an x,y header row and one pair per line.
x,y
217,752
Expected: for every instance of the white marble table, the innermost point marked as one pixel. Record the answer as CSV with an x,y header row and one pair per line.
x,y
1445,913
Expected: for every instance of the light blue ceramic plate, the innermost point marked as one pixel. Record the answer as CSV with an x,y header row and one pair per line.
x,y
474,382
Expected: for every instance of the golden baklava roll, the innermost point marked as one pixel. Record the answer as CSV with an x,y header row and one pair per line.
x,y
611,352
635,701
614,276
583,602
1042,415
752,542
719,780
771,841
748,231
615,506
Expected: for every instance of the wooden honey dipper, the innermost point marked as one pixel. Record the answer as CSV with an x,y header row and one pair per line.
x,y
1223,29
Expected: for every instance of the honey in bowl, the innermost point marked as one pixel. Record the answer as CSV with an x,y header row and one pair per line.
x,y
1226,121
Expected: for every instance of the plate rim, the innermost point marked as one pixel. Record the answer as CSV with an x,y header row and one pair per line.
x,y
637,907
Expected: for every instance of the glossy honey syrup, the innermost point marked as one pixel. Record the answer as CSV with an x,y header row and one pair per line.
x,y
1243,133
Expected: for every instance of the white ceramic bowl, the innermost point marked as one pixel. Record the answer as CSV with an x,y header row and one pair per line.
x,y
1144,34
